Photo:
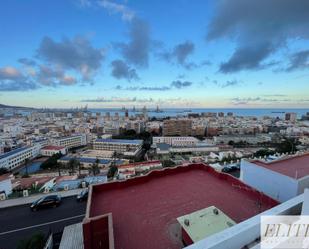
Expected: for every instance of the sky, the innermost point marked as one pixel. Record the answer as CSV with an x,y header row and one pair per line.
x,y
177,53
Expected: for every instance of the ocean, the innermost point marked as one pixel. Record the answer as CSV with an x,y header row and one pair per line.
x,y
174,112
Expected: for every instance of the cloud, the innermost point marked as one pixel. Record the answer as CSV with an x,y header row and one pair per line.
x,y
117,100
115,8
10,73
260,28
262,100
150,88
179,54
247,57
76,54
27,62
230,83
136,51
299,61
177,84
11,79
121,70
180,84
54,76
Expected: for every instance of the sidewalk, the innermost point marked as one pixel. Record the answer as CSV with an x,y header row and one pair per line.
x,y
32,198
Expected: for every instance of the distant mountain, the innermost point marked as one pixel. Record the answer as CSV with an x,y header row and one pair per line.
x,y
15,107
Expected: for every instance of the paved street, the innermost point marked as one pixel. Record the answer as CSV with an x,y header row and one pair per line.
x,y
20,222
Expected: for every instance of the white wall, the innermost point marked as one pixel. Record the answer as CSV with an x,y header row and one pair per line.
x,y
6,186
246,232
273,184
303,183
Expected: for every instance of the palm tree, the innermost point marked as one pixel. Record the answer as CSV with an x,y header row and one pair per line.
x,y
79,165
113,168
72,164
26,166
95,167
59,166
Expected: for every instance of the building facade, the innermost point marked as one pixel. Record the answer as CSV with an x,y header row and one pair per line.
x,y
124,146
17,157
70,141
180,127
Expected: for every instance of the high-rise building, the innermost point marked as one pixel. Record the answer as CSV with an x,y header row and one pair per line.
x,y
290,116
177,127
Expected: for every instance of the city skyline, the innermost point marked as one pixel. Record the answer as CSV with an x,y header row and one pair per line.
x,y
201,54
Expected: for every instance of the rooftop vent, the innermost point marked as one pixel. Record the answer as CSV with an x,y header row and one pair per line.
x,y
216,211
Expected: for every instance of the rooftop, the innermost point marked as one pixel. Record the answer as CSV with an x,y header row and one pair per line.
x,y
120,141
51,147
90,160
12,152
294,166
205,222
140,164
5,177
151,204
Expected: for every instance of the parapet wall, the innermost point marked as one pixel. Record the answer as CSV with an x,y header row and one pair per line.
x,y
98,230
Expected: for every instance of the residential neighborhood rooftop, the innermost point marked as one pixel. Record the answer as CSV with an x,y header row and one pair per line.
x,y
145,209
293,166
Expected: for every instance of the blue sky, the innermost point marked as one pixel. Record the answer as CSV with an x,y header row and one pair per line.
x,y
108,53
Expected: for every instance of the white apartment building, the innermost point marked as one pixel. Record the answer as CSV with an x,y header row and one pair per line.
x,y
52,150
5,184
17,157
70,141
176,141
281,179
125,146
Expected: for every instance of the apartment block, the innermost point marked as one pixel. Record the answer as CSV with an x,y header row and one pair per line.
x,y
177,127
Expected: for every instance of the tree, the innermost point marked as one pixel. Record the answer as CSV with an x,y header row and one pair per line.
x,y
95,167
26,166
264,152
3,171
36,241
59,166
168,163
287,145
73,163
112,171
51,162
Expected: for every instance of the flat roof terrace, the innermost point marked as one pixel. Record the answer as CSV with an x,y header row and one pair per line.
x,y
145,209
296,166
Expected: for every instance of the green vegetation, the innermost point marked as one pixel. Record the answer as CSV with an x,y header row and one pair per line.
x,y
51,162
264,152
287,145
36,241
3,171
95,167
168,163
26,167
73,164
112,171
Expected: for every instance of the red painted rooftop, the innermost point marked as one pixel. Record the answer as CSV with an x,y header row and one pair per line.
x,y
52,147
295,166
144,209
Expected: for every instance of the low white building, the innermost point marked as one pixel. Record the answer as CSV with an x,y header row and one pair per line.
x,y
175,141
17,157
280,179
125,146
5,184
52,150
70,141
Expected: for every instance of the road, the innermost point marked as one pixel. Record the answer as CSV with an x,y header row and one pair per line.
x,y
19,222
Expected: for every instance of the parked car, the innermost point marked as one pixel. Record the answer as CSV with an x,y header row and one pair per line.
x,y
82,196
46,201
